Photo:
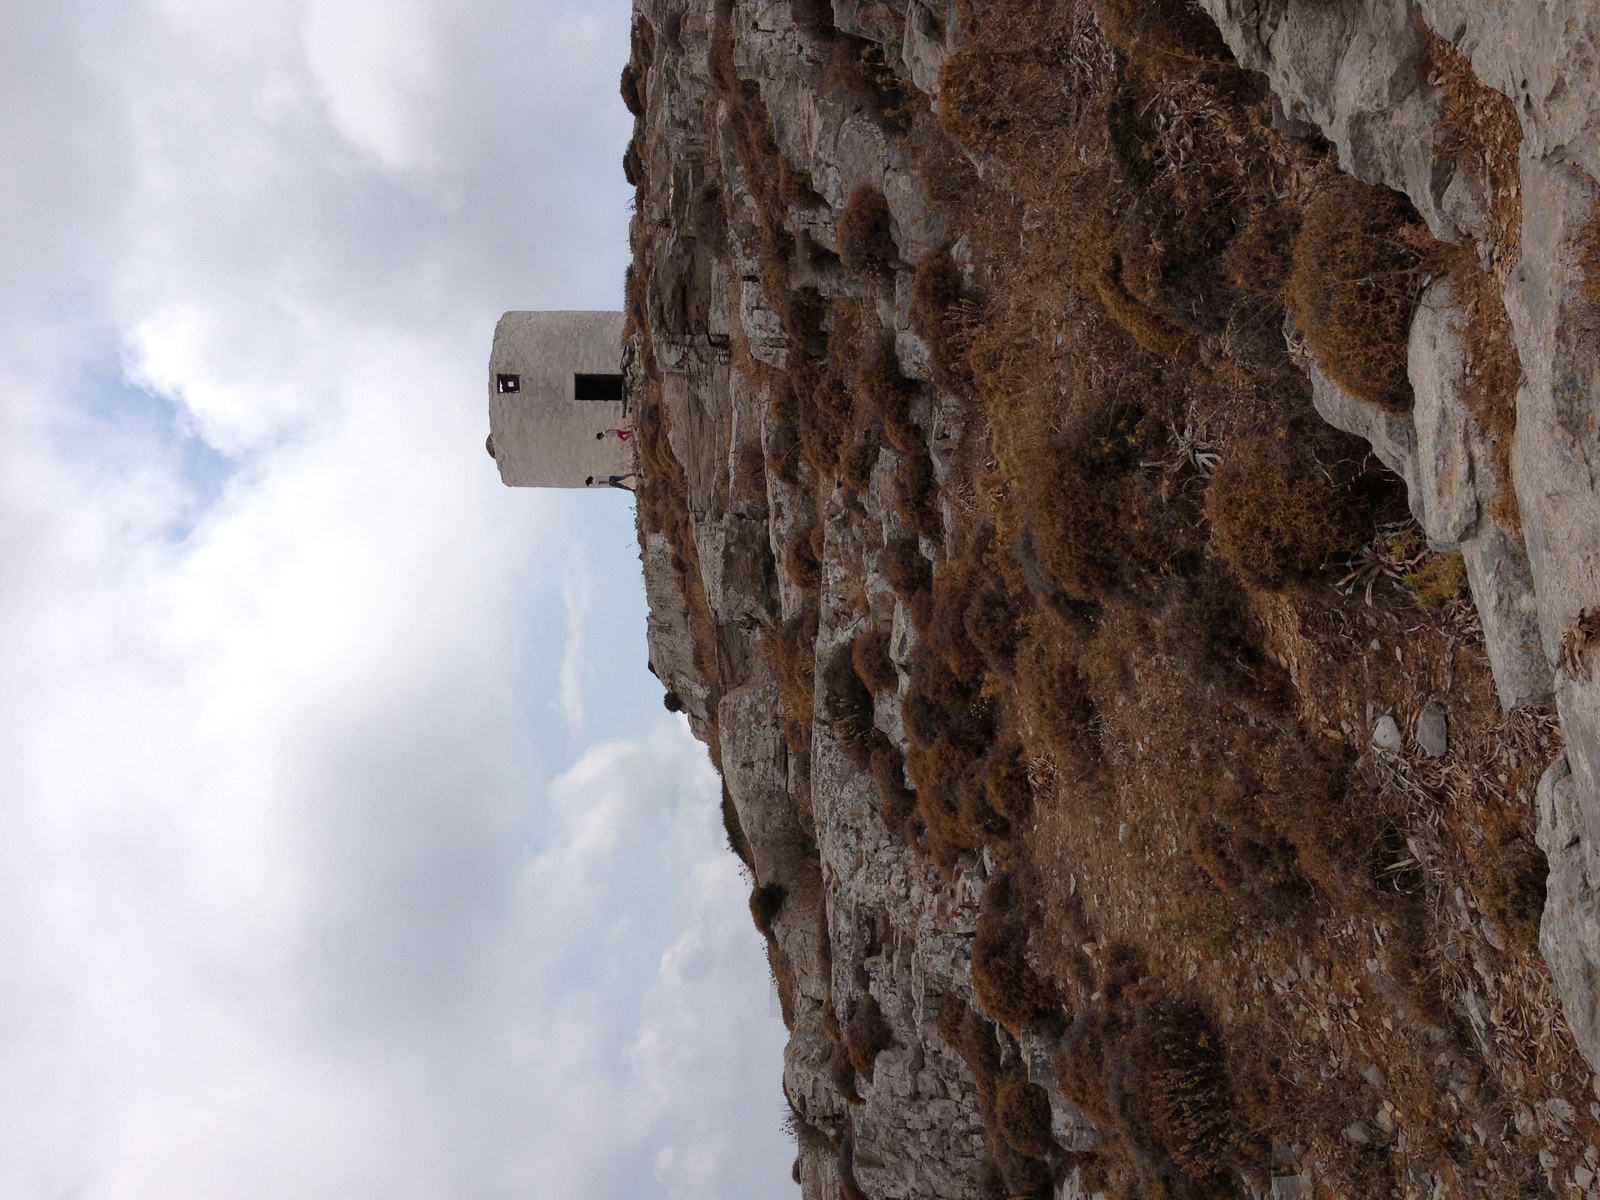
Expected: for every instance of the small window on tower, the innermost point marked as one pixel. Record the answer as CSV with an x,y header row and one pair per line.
x,y
597,387
508,383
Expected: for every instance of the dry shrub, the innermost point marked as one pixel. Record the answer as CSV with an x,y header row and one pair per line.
x,y
906,569
940,316
1513,890
943,702
1185,1101
1083,504
1152,1070
737,842
1005,776
1007,986
916,496
1021,80
1276,516
866,1035
1172,35
1587,244
631,99
994,625
766,902
859,458
937,768
870,656
1311,800
897,804
1359,261
889,393
824,413
1261,257
802,563
795,185
866,240
1099,269
1022,1114
795,651
859,66
848,704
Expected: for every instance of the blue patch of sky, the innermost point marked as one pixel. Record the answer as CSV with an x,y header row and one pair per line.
x,y
116,427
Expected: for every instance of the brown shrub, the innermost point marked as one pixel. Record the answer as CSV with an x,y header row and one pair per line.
x,y
907,570
795,650
916,495
848,704
1359,261
766,902
801,561
1588,247
1099,269
1261,255
866,1035
631,99
1021,84
866,241
1185,1102
824,415
978,816
1173,34
859,458
870,656
1005,775
1514,890
1006,985
1022,1114
994,626
860,66
943,701
897,804
940,317
795,185
1276,517
937,768
889,393
1082,502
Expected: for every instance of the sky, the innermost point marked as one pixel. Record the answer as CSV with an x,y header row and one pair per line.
x,y
346,849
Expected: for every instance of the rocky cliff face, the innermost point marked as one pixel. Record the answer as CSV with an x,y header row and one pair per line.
x,y
1030,711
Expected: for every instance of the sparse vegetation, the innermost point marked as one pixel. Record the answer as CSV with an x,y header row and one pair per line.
x,y
1158,606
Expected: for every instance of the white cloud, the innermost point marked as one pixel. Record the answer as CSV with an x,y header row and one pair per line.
x,y
302,893
377,64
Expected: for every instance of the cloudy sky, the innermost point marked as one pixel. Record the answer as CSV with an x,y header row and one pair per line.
x,y
345,847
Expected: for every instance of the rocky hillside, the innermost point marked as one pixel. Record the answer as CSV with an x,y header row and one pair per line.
x,y
1118,502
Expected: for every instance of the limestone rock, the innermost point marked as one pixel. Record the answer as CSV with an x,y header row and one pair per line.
x,y
1569,934
1433,731
1386,735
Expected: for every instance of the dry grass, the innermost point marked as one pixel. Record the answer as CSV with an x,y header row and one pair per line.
x,y
866,243
1587,245
1169,605
1359,262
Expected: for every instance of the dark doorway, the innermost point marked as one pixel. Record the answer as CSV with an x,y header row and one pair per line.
x,y
507,383
597,387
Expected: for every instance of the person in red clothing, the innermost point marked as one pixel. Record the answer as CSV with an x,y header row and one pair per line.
x,y
622,435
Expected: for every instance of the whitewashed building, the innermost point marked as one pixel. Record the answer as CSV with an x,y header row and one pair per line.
x,y
555,383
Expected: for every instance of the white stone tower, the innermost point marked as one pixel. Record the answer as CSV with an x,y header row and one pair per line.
x,y
555,381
